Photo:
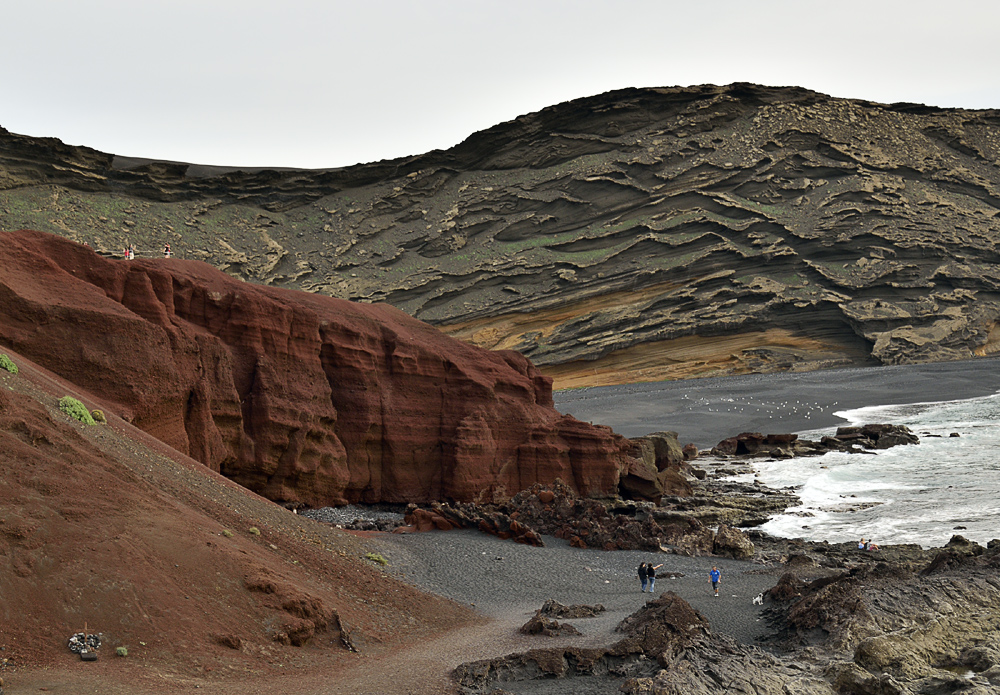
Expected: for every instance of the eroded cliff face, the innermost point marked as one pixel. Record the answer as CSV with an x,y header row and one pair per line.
x,y
636,235
298,397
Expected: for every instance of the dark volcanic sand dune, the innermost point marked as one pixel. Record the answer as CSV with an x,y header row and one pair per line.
x,y
705,411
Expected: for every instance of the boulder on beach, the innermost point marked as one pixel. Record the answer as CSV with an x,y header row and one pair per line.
x,y
731,542
543,625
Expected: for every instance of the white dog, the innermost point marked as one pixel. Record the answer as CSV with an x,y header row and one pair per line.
x,y
758,600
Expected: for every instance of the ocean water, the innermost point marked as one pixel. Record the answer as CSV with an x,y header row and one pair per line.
x,y
921,494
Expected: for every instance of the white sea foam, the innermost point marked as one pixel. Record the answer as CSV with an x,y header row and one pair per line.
x,y
922,494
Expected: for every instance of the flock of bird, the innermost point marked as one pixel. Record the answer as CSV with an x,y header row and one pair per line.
x,y
755,406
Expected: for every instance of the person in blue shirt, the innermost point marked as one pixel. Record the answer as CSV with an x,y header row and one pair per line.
x,y
716,576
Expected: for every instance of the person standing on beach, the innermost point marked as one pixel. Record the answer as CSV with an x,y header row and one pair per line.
x,y
651,574
642,575
716,576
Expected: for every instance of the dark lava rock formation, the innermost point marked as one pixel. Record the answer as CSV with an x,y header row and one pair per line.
x,y
680,525
851,440
636,235
299,397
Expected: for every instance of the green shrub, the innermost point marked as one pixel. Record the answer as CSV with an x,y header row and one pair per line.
x,y
254,530
8,364
75,409
121,651
375,557
98,416
227,533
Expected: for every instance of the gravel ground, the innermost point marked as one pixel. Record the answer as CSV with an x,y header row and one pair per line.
x,y
342,516
509,582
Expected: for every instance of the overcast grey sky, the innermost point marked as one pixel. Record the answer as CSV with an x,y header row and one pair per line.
x,y
307,83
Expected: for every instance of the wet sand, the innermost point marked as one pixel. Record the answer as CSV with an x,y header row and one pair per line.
x,y
705,411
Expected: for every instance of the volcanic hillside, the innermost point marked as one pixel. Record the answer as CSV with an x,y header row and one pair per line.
x,y
635,235
202,582
301,398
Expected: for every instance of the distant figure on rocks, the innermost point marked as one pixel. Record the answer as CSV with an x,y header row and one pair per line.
x,y
862,545
716,576
642,575
131,252
651,574
870,545
167,252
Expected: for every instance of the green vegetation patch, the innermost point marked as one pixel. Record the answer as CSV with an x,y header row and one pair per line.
x,y
8,364
377,558
75,409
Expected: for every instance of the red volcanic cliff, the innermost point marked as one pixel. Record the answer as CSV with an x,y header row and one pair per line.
x,y
296,396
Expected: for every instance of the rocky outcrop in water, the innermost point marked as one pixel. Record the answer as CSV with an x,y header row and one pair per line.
x,y
299,397
848,439
635,235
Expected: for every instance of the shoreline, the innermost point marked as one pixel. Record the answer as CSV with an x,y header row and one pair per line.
x,y
706,411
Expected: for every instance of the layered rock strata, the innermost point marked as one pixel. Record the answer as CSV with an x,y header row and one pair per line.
x,y
636,235
299,397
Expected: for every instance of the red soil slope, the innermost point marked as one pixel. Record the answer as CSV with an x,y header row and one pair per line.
x,y
296,396
104,526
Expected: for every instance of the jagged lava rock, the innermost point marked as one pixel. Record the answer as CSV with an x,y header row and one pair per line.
x,y
297,396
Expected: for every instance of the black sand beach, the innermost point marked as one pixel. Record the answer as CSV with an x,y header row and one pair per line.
x,y
705,411
509,581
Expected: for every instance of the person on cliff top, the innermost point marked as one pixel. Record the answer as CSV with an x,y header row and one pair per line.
x,y
166,251
716,577
642,576
651,574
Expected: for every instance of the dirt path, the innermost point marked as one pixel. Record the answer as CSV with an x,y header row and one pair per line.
x,y
423,668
